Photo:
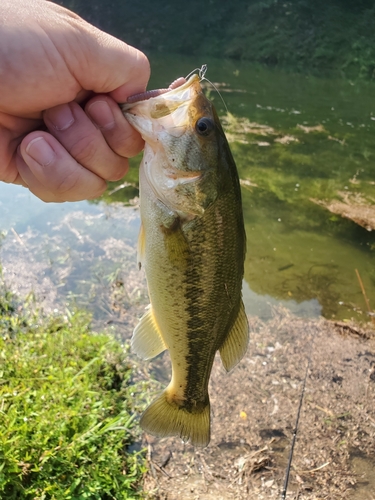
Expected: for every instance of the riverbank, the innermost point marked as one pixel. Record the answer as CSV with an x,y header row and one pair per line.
x,y
254,411
254,407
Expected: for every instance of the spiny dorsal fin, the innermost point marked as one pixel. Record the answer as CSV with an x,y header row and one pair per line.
x,y
147,341
235,345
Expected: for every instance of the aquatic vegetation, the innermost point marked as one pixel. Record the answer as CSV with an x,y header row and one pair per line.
x,y
296,141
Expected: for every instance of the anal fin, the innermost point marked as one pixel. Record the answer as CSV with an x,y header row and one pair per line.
x,y
235,345
147,341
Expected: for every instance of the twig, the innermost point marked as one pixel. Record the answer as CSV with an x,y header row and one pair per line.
x,y
121,186
328,412
17,236
364,294
313,470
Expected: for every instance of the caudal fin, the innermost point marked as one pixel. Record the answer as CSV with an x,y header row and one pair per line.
x,y
163,419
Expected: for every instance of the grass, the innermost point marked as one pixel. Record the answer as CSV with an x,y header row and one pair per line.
x,y
66,419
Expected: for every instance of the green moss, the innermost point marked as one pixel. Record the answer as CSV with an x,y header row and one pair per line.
x,y
66,420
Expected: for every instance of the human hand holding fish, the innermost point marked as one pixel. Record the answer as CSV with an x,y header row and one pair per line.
x,y
192,247
52,63
192,241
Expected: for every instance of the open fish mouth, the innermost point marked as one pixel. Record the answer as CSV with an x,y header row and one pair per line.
x,y
176,84
155,111
148,94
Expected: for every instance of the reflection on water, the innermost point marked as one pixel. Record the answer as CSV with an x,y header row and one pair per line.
x,y
296,141
299,142
76,253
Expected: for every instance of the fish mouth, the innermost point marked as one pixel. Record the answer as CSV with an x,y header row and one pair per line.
x,y
155,112
175,91
148,94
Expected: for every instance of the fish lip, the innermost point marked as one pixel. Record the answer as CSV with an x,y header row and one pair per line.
x,y
154,94
148,94
140,112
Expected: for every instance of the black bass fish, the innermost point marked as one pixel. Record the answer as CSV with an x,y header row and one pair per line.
x,y
192,246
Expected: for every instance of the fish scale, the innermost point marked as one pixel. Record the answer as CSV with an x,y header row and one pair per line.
x,y
192,248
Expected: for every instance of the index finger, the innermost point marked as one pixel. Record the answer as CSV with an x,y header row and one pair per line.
x,y
117,69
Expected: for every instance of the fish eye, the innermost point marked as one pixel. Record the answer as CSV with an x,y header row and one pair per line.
x,y
204,126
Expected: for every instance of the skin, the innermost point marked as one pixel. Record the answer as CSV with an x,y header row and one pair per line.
x,y
62,134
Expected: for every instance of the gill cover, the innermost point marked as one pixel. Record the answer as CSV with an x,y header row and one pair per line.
x,y
181,155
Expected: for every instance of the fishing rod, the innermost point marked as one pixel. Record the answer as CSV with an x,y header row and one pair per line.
x,y
287,473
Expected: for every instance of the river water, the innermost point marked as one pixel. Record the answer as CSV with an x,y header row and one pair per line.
x,y
297,141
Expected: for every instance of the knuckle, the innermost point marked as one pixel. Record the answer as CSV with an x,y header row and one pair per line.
x,y
128,143
74,187
85,149
67,184
117,172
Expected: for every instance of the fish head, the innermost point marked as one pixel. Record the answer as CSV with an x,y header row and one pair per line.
x,y
182,154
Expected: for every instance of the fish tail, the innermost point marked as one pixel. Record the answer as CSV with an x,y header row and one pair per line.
x,y
166,418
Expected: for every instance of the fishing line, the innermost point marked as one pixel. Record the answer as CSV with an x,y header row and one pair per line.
x,y
202,76
201,72
287,474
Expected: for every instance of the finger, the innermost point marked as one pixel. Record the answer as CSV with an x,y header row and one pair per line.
x,y
116,67
116,130
84,141
52,174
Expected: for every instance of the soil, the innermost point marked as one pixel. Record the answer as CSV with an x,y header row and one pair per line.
x,y
254,410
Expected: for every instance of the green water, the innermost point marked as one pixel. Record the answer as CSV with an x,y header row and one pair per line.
x,y
297,250
299,253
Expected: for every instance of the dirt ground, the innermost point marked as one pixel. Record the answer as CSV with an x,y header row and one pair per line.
x,y
254,407
254,410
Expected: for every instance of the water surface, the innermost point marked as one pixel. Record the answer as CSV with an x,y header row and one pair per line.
x,y
296,140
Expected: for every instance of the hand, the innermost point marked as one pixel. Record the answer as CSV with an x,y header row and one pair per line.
x,y
51,61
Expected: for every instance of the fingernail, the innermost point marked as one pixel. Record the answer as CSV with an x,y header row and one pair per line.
x,y
61,116
41,151
102,114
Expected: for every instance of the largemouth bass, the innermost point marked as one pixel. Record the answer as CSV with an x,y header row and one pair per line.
x,y
192,247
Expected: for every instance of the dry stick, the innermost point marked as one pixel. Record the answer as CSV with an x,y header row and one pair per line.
x,y
364,294
286,481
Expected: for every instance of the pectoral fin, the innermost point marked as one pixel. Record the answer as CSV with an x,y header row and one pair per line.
x,y
147,341
235,345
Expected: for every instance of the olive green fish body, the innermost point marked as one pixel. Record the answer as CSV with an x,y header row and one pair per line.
x,y
192,247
